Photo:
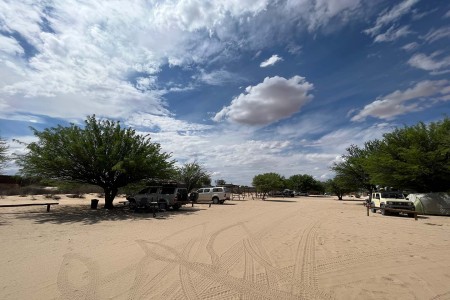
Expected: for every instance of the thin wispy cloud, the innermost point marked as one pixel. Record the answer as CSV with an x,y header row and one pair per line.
x,y
271,61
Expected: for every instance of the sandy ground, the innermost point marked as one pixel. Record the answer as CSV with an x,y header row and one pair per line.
x,y
281,248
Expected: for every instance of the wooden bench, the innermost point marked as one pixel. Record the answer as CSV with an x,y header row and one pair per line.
x,y
394,210
29,204
203,202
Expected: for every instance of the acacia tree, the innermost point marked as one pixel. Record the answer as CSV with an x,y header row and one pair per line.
x,y
3,153
102,153
337,186
304,183
352,172
268,182
193,175
416,157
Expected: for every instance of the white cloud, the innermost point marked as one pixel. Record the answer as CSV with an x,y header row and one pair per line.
x,y
271,61
437,34
274,99
10,46
393,34
430,63
217,77
411,46
388,17
447,15
401,102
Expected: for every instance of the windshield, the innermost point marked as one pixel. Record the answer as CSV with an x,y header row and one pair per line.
x,y
392,195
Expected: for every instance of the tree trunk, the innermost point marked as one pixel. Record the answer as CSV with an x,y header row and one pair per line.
x,y
110,194
339,196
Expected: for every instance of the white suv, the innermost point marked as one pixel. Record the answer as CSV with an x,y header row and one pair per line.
x,y
216,194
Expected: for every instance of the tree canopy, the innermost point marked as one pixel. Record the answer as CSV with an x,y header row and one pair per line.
x,y
3,154
416,157
268,182
352,172
193,175
337,186
102,153
413,157
304,183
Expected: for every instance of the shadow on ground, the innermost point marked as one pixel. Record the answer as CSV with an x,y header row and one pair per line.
x,y
87,216
279,200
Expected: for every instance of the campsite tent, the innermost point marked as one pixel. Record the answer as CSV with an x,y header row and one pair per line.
x,y
431,203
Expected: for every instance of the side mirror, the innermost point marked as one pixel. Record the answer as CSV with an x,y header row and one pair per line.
x,y
407,198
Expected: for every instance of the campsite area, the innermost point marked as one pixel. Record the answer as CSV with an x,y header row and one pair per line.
x,y
280,248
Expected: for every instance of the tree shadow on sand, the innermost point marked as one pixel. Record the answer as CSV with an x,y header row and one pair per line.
x,y
279,200
87,216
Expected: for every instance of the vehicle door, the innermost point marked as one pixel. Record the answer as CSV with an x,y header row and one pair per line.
x,y
205,195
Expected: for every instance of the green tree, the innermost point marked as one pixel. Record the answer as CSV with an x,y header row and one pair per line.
x,y
416,157
102,153
338,187
304,183
267,182
3,154
193,175
352,172
220,182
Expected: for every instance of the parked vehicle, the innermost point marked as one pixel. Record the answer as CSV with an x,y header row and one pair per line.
x,y
288,193
391,199
216,194
167,195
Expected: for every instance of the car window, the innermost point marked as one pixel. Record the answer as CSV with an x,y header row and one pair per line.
x,y
215,190
200,191
153,190
168,190
206,190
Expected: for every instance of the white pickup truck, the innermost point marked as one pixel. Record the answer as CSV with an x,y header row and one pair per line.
x,y
393,200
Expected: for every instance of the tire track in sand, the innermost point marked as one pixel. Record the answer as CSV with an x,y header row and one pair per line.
x,y
71,291
305,266
255,291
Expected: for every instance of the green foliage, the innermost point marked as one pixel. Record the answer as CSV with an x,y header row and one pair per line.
x,y
193,175
351,170
102,153
337,186
220,182
304,183
416,157
268,182
3,154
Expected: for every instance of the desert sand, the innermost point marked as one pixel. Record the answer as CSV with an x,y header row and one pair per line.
x,y
281,248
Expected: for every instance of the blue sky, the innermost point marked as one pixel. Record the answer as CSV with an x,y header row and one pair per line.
x,y
242,87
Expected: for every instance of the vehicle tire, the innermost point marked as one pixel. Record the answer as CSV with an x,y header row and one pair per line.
x,y
410,215
176,206
222,201
373,209
215,200
384,212
132,204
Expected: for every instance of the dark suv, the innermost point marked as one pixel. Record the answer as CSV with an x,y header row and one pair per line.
x,y
169,195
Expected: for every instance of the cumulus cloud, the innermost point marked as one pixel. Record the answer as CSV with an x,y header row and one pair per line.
x,y
430,63
401,102
271,61
388,17
274,99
